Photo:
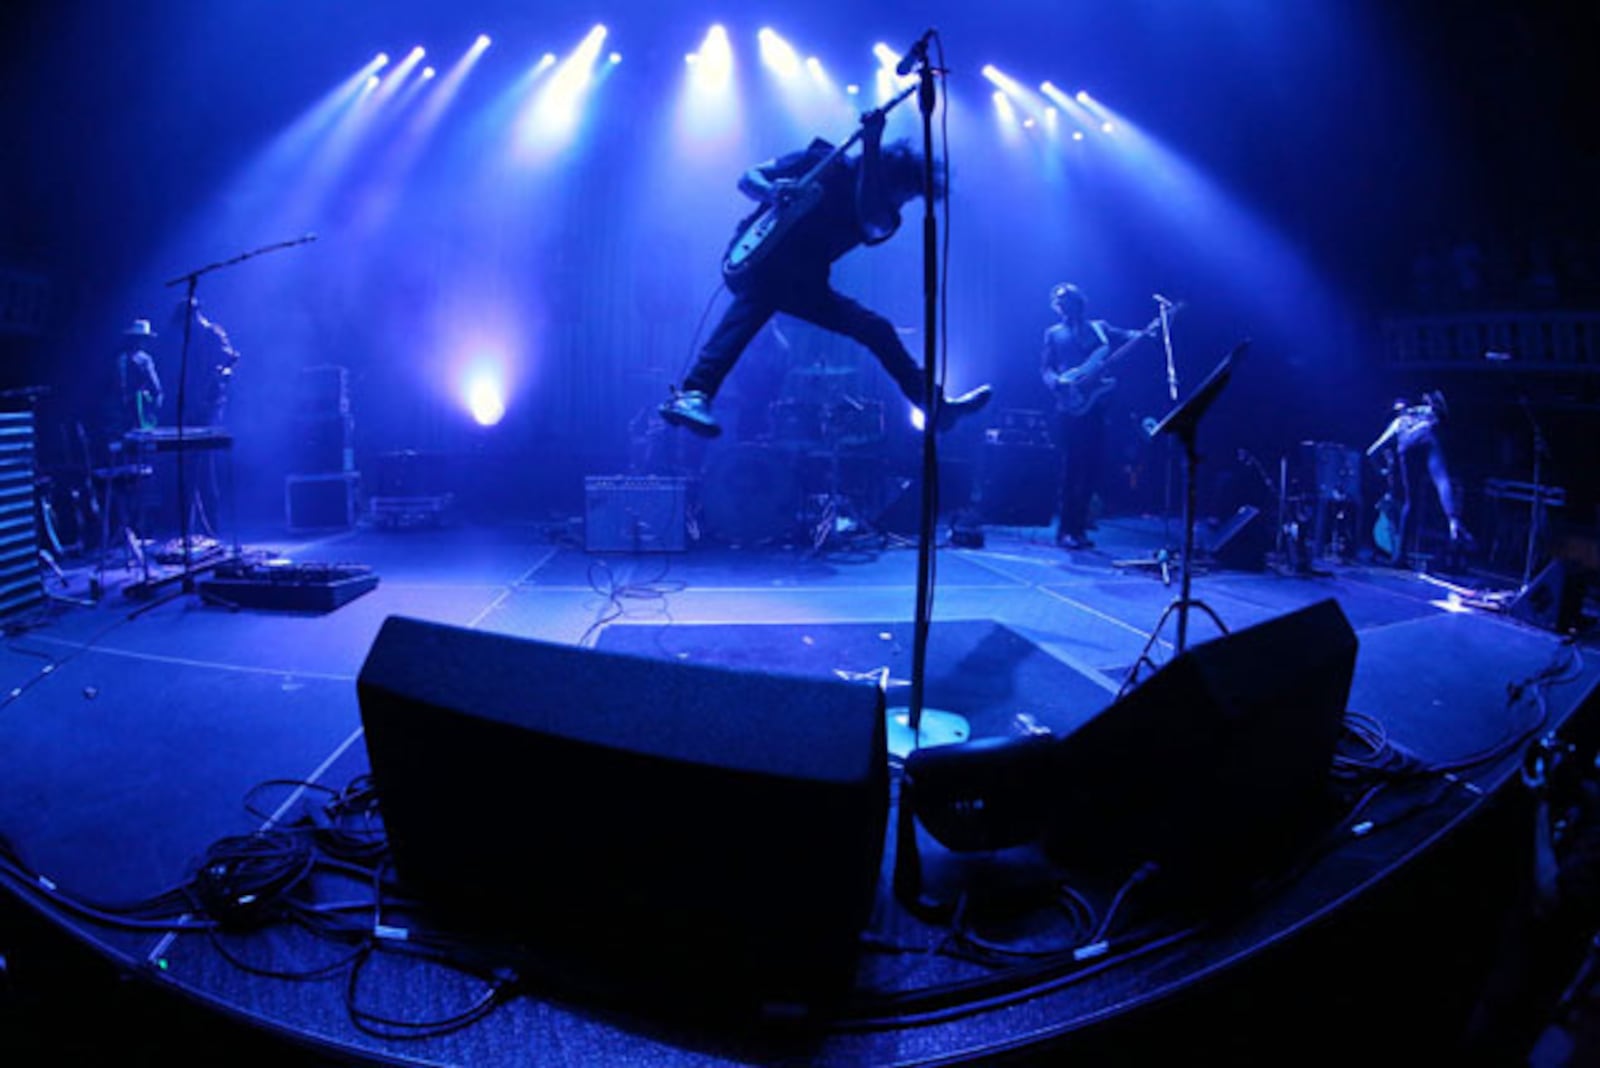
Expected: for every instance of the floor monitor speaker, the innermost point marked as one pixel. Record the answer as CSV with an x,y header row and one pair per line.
x,y
642,825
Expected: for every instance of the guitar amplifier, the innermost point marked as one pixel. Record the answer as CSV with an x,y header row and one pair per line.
x,y
635,514
1017,426
321,502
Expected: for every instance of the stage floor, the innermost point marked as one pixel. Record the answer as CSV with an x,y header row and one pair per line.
x,y
137,734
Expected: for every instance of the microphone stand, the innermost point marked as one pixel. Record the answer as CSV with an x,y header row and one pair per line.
x,y
933,395
190,282
907,865
1164,305
1536,513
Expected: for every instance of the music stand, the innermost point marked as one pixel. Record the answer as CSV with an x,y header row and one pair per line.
x,y
1183,423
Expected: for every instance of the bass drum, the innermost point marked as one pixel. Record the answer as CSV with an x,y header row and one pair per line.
x,y
751,494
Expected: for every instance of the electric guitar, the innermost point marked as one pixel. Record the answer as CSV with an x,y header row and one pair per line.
x,y
763,230
1079,388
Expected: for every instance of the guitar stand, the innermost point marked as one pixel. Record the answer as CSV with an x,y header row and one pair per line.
x,y
1183,422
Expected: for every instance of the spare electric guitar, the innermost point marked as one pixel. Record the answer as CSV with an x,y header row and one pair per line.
x,y
1078,389
763,230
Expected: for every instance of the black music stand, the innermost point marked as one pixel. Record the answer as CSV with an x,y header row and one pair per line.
x,y
1183,422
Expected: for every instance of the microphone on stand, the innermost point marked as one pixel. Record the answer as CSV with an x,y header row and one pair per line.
x,y
914,55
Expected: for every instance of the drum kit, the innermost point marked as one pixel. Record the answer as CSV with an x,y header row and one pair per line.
x,y
815,472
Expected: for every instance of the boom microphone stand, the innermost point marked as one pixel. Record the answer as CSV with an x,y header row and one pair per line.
x,y
190,281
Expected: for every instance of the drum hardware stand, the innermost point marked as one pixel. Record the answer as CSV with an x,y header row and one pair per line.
x,y
1183,423
839,514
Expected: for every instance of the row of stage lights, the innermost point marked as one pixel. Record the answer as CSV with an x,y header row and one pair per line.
x,y
712,65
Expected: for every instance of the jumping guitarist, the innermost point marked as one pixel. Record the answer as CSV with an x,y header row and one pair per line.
x,y
1078,351
813,206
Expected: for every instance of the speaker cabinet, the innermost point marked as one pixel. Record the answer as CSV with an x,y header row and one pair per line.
x,y
1242,543
1553,600
635,513
1210,767
642,826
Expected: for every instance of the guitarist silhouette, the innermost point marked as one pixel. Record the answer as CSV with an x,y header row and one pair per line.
x,y
1077,353
812,207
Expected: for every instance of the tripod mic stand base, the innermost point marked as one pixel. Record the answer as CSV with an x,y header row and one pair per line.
x,y
933,728
1161,561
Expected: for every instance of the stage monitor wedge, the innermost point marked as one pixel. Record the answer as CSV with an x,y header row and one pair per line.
x,y
1211,768
646,828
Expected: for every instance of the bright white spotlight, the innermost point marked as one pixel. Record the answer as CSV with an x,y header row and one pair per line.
x,y
1083,96
779,55
380,61
428,72
1107,126
416,53
1077,135
485,400
853,89
482,42
714,67
614,58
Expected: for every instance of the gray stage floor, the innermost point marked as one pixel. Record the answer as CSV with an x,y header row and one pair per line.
x,y
132,731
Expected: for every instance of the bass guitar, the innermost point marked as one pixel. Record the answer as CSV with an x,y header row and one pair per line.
x,y
764,229
1079,388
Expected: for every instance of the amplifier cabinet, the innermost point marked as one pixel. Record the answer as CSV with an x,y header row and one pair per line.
x,y
635,514
321,502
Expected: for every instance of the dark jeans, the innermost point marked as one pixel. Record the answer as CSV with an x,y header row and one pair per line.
x,y
1082,442
816,302
1424,455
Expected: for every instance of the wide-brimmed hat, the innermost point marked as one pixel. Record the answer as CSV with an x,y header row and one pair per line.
x,y
140,328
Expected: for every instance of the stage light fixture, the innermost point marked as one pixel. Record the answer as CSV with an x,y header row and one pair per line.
x,y
779,55
428,72
713,62
485,400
